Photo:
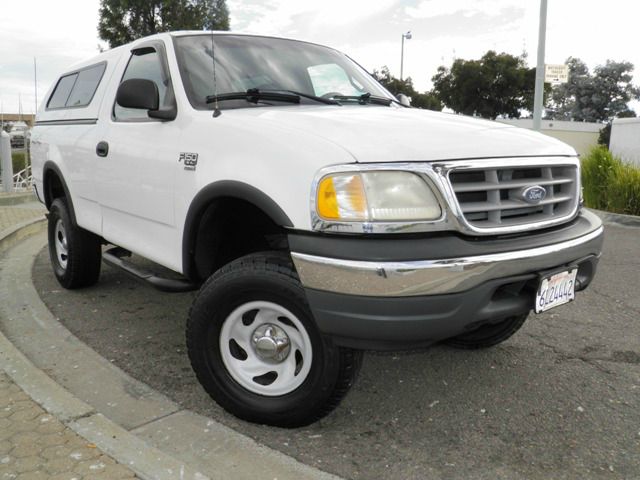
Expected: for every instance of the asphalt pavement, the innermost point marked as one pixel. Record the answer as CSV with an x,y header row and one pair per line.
x,y
558,400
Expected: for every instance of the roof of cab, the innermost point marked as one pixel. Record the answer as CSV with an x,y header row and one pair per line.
x,y
116,51
112,52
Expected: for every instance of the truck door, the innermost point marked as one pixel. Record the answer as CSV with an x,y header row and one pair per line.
x,y
139,161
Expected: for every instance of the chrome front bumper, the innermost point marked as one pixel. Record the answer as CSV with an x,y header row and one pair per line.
x,y
437,277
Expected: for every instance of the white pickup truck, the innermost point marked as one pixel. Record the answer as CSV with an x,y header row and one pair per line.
x,y
318,215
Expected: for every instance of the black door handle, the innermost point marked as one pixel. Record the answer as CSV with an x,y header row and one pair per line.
x,y
102,149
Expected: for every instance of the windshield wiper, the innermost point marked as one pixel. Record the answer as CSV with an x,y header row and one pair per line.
x,y
327,101
254,95
368,98
365,98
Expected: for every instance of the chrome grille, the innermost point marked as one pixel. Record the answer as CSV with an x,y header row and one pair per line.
x,y
492,197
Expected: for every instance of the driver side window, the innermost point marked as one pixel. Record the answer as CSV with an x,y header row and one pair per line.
x,y
145,64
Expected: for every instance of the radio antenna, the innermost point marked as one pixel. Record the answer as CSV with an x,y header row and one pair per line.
x,y
216,110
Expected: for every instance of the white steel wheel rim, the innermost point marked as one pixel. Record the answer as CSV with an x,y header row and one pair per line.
x,y
255,372
61,244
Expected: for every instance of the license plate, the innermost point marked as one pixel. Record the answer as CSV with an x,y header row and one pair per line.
x,y
555,290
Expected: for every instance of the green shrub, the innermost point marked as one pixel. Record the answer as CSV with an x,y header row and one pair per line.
x,y
610,184
597,168
18,158
624,194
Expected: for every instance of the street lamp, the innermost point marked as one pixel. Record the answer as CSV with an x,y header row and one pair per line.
x,y
408,37
538,95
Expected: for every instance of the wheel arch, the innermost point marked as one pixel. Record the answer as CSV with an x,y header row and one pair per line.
x,y
216,192
55,186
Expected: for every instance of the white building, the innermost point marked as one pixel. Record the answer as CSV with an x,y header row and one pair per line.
x,y
582,136
625,139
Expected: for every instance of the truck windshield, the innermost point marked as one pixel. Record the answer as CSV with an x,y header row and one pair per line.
x,y
267,64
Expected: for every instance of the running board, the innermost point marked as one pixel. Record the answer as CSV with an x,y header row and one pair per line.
x,y
114,257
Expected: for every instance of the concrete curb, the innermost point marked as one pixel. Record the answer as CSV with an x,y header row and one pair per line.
x,y
11,199
617,218
44,391
145,461
10,236
123,417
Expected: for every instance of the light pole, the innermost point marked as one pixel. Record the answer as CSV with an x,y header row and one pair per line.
x,y
408,37
35,84
539,91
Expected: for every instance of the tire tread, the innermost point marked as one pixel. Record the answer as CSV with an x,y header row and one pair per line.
x,y
85,256
279,264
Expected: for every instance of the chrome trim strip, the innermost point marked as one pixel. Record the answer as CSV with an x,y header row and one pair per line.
x,y
79,121
436,175
431,277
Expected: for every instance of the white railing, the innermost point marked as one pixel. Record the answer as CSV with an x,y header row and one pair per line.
x,y
23,180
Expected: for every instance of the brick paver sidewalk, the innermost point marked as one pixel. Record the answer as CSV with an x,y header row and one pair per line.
x,y
33,444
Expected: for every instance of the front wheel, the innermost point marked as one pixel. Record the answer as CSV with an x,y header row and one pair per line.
x,y
489,334
74,252
256,350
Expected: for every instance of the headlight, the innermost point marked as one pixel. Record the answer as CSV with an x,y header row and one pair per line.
x,y
376,196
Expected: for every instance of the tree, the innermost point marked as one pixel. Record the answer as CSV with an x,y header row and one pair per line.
x,y
563,97
494,85
595,98
396,86
122,21
217,15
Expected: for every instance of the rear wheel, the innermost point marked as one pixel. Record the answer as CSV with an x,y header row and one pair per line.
x,y
489,334
75,253
256,350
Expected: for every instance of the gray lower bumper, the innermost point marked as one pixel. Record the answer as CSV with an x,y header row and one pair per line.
x,y
435,277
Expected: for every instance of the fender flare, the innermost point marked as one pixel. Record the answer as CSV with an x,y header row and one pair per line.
x,y
48,167
217,190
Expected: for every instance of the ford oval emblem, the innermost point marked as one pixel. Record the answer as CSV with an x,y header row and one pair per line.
x,y
534,194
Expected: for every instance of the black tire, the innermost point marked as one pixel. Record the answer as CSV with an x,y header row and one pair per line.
x,y
75,253
488,335
268,278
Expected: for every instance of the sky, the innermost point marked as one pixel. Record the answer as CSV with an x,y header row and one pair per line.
x,y
60,33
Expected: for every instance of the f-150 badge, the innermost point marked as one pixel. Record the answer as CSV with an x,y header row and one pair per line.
x,y
190,160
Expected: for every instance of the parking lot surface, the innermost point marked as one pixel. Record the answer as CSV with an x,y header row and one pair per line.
x,y
559,400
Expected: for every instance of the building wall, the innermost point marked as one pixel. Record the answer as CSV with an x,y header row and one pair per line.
x,y
582,136
583,142
625,139
18,117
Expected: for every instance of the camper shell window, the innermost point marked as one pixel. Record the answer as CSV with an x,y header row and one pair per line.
x,y
76,90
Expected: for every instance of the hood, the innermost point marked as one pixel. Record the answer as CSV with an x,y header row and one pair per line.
x,y
372,133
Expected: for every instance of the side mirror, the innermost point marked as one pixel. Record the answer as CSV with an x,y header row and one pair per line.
x,y
404,100
138,93
142,93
